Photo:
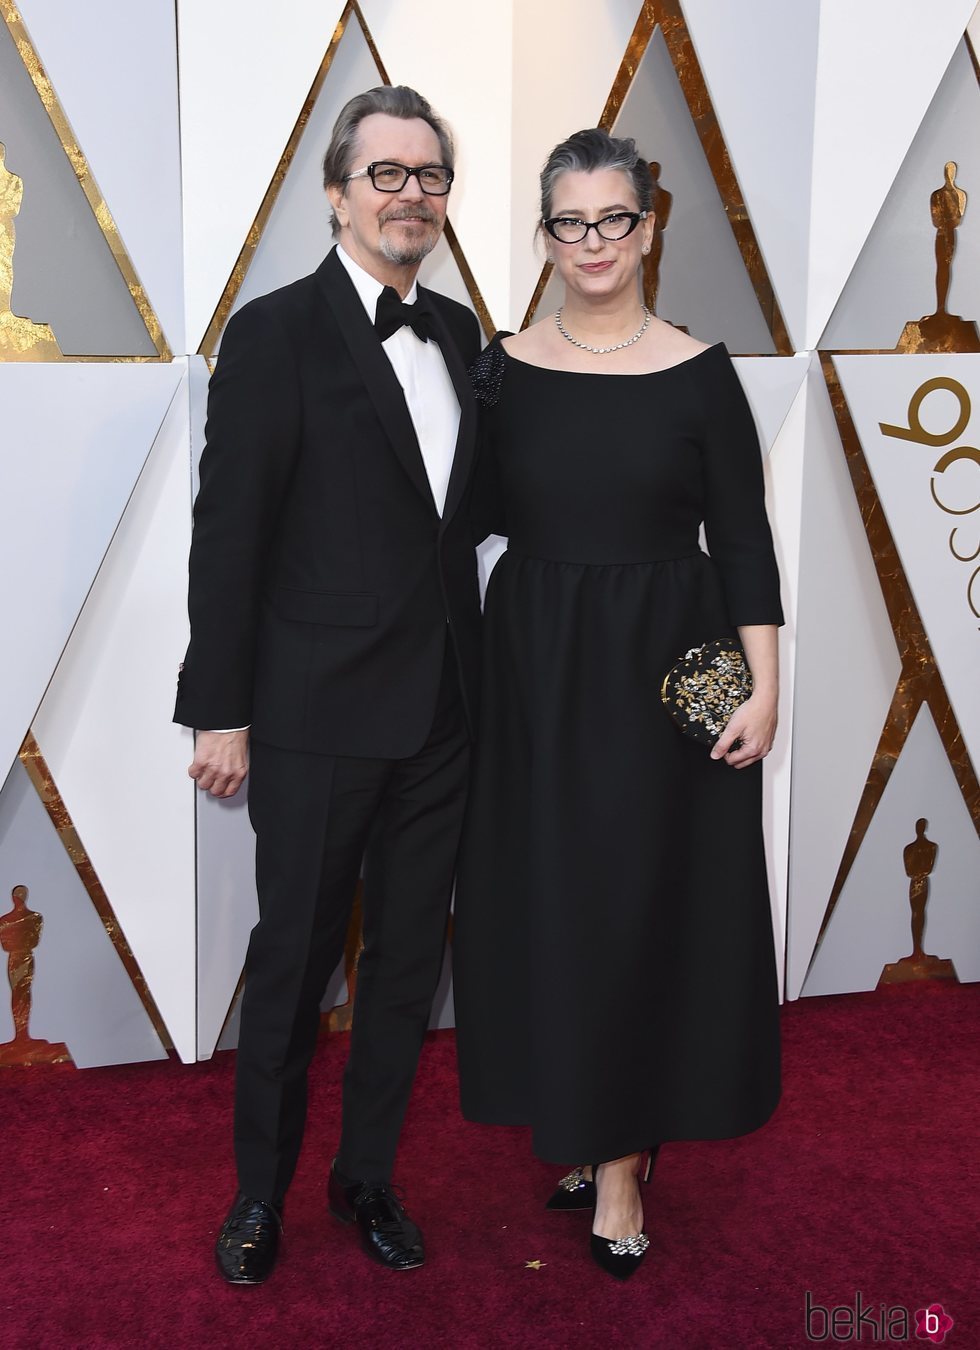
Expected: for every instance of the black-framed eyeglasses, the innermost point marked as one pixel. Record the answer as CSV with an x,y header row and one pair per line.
x,y
387,175
573,229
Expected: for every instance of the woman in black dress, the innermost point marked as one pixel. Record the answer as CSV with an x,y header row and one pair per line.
x,y
615,973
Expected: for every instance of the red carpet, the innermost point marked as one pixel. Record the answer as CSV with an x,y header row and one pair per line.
x,y
865,1182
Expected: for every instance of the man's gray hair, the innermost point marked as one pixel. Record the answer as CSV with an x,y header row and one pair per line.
x,y
593,149
394,100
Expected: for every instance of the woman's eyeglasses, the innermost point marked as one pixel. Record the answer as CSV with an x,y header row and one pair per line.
x,y
573,229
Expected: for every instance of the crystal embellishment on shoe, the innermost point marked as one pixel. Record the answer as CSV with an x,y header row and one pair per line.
x,y
619,1257
574,1192
574,1181
631,1246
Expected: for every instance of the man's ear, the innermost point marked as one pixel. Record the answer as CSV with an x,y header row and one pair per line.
x,y
338,200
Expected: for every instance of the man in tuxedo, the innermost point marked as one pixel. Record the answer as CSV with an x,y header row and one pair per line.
x,y
334,656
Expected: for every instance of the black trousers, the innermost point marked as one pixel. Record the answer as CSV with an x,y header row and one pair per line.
x,y
315,818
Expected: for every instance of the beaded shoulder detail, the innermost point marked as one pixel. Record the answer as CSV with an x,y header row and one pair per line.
x,y
487,374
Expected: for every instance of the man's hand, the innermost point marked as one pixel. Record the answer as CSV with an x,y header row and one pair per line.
x,y
220,761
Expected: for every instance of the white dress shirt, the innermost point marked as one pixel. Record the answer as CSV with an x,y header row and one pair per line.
x,y
421,371
429,392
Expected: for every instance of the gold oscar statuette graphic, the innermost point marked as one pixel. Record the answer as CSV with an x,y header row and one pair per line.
x,y
662,200
20,932
20,339
942,331
920,859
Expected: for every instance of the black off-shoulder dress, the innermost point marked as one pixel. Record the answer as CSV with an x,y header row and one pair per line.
x,y
614,968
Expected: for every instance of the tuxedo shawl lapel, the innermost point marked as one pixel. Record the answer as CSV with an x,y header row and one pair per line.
x,y
466,436
375,369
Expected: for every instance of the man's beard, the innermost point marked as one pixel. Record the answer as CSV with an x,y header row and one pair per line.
x,y
409,252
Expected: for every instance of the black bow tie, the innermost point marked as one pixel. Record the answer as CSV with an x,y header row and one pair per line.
x,y
393,314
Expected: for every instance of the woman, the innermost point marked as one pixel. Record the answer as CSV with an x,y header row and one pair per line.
x,y
616,981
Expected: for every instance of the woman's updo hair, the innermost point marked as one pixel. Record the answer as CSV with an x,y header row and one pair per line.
x,y
593,149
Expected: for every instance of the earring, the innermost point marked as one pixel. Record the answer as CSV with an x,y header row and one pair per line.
x,y
646,249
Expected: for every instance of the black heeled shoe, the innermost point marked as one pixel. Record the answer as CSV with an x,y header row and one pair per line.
x,y
576,1192
622,1257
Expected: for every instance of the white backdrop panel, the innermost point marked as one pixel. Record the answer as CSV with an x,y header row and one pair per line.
x,y
703,281
226,908
871,924
297,234
473,92
759,59
771,385
841,623
566,56
868,109
75,439
784,473
225,861
938,544
104,728
774,389
245,71
114,67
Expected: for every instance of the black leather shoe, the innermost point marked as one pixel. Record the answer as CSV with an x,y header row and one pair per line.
x,y
387,1233
248,1243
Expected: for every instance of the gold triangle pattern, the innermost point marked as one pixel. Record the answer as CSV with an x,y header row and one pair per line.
x,y
351,11
668,16
47,789
954,344
100,209
919,681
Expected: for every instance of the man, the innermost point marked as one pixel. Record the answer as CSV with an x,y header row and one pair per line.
x,y
334,610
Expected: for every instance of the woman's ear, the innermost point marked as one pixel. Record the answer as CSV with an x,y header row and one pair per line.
x,y
648,226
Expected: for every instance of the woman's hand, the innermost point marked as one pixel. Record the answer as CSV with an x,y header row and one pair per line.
x,y
753,725
752,728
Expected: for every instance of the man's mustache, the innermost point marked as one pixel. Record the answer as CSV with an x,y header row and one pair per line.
x,y
409,213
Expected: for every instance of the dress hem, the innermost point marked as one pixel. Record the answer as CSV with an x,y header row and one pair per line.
x,y
562,1157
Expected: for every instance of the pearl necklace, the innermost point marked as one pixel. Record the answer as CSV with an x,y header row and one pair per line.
x,y
601,351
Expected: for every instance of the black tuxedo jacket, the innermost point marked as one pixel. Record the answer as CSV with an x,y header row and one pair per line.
x,y
321,575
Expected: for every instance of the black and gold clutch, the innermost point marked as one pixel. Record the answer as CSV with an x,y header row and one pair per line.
x,y
705,687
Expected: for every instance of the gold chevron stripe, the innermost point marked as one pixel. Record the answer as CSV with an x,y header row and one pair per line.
x,y
669,16
244,260
83,172
40,775
919,681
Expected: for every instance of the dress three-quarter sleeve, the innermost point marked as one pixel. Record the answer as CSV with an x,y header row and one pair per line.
x,y
735,521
